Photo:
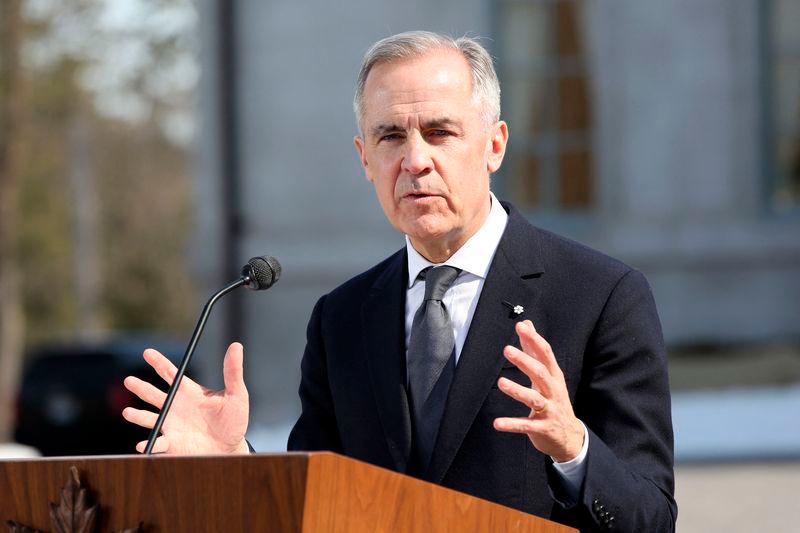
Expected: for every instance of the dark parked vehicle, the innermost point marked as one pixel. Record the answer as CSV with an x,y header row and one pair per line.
x,y
71,397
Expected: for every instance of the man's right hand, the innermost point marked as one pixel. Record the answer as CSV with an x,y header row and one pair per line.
x,y
200,421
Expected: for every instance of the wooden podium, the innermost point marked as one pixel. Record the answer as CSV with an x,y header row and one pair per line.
x,y
294,492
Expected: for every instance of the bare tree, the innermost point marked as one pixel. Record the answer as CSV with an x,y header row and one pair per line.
x,y
109,114
12,324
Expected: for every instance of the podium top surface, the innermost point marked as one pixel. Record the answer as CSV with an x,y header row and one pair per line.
x,y
290,492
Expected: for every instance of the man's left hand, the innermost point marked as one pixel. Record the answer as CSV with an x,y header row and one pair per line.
x,y
551,425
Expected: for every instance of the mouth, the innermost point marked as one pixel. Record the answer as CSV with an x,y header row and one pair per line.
x,y
420,195
421,200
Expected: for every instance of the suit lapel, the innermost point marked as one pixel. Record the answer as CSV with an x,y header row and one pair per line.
x,y
383,319
513,278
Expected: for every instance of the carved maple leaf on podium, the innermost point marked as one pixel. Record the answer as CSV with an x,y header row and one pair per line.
x,y
74,514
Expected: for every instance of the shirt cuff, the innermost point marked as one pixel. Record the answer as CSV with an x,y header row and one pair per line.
x,y
574,470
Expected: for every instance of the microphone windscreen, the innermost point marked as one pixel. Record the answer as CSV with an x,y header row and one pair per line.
x,y
263,271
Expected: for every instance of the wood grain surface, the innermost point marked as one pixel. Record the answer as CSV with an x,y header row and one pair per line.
x,y
355,497
232,493
292,493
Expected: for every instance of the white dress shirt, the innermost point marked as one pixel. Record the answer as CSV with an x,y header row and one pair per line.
x,y
474,259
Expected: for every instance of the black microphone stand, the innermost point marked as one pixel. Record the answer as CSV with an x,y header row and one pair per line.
x,y
198,330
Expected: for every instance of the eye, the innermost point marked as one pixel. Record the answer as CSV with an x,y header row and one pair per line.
x,y
439,134
391,137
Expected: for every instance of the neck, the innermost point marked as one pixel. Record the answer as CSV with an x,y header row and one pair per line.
x,y
436,252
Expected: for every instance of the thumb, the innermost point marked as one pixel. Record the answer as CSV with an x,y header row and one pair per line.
x,y
233,370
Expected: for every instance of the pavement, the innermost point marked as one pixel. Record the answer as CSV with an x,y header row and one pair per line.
x,y
738,497
736,415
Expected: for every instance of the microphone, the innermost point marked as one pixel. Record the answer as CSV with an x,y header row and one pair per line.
x,y
260,273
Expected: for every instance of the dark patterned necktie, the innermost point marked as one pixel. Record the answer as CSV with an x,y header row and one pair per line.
x,y
431,363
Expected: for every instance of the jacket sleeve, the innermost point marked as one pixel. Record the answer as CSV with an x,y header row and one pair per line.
x,y
623,398
316,429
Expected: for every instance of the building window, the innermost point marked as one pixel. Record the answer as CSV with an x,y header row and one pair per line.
x,y
542,62
782,88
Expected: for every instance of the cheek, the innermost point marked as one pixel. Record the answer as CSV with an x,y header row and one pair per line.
x,y
384,189
467,179
384,172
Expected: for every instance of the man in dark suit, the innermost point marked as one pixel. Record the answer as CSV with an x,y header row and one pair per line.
x,y
544,371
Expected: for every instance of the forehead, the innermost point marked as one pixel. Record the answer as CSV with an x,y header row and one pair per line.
x,y
435,83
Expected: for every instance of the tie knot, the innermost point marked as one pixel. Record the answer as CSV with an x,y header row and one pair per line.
x,y
438,280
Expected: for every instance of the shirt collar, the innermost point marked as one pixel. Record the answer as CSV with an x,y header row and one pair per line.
x,y
475,256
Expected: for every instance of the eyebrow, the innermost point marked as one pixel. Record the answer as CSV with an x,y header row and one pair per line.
x,y
383,129
441,123
436,123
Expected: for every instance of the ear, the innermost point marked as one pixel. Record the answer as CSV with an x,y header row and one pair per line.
x,y
362,156
497,146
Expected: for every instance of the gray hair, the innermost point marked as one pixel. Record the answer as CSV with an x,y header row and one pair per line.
x,y
485,86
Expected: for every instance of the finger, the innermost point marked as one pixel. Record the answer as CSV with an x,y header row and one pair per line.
x,y
161,365
528,426
527,396
161,445
233,370
164,367
145,391
140,417
539,375
536,345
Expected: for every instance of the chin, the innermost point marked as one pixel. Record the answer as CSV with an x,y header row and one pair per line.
x,y
428,231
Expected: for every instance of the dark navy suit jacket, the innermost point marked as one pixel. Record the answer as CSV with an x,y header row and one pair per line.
x,y
600,319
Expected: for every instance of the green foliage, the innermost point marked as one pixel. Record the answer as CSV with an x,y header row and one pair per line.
x,y
145,187
142,193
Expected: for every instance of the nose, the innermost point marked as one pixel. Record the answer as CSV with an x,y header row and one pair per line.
x,y
417,158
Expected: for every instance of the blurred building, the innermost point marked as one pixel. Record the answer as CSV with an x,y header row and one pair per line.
x,y
663,133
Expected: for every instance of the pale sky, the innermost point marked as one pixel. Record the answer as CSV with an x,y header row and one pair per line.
x,y
115,39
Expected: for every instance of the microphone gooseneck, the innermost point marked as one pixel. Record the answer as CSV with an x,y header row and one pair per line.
x,y
260,273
